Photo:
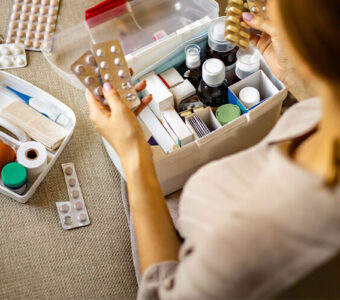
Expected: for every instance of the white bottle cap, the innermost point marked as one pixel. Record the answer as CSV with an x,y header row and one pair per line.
x,y
248,62
213,72
249,97
193,57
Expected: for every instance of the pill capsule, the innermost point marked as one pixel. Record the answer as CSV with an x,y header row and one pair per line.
x,y
78,205
232,37
244,25
232,28
64,208
117,61
72,182
121,73
244,34
244,43
108,77
89,80
233,19
69,170
100,53
82,218
235,10
104,65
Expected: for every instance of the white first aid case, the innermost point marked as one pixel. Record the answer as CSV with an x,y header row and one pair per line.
x,y
14,136
182,22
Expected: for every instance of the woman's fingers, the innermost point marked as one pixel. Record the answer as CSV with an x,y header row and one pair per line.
x,y
144,103
97,109
111,95
259,23
140,86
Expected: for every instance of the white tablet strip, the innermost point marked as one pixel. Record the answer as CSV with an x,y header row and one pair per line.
x,y
183,91
172,77
174,124
162,97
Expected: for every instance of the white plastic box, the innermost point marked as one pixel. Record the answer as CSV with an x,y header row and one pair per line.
x,y
184,22
29,89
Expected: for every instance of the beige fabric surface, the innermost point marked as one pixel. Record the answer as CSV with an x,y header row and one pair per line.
x,y
38,259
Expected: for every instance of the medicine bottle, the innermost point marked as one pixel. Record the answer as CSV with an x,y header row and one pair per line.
x,y
213,89
193,70
248,62
222,49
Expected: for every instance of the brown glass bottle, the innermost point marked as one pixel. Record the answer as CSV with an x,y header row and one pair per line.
x,y
213,89
193,71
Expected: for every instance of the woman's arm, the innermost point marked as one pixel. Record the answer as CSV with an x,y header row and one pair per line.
x,y
156,235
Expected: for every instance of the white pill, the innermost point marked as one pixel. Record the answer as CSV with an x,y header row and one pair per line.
x,y
121,73
22,25
15,16
82,218
104,65
40,27
52,11
89,80
117,61
51,20
5,51
75,195
26,8
34,9
33,18
29,34
37,44
100,53
114,50
79,70
90,60
13,24
99,91
64,208
107,77
6,62
43,10
49,28
31,26
16,49
19,61
28,43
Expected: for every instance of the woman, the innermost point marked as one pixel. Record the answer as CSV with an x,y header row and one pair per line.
x,y
256,222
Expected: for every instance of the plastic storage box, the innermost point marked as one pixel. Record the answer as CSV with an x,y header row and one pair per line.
x,y
179,23
29,89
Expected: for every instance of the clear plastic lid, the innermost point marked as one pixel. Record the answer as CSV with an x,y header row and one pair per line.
x,y
193,56
140,22
216,39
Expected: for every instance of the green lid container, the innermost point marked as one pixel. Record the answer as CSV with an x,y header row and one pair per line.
x,y
14,175
227,113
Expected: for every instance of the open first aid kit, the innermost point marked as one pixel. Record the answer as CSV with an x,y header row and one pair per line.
x,y
34,129
165,42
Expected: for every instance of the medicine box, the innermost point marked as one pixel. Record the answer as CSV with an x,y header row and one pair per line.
x,y
29,89
183,22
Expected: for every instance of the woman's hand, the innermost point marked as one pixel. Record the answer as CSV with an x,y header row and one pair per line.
x,y
117,123
269,45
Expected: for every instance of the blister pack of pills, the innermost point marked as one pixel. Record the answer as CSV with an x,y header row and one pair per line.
x,y
258,7
236,30
106,64
73,213
86,70
33,22
12,56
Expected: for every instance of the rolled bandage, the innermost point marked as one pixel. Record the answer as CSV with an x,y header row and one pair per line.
x,y
33,156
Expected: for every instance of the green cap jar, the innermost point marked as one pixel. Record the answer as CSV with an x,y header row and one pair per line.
x,y
227,113
14,176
